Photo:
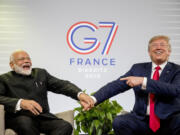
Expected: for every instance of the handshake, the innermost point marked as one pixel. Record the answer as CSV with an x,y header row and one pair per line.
x,y
86,101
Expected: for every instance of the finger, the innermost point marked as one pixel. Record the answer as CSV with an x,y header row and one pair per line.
x,y
128,82
92,102
37,107
33,110
131,84
85,106
124,78
82,103
86,109
86,99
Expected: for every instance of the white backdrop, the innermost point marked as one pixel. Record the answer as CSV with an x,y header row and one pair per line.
x,y
40,27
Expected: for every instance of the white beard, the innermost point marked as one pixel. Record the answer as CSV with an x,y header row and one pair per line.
x,y
20,70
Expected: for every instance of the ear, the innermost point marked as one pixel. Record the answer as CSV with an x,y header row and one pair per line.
x,y
149,53
11,64
169,52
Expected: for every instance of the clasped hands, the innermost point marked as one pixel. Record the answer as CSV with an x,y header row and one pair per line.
x,y
86,101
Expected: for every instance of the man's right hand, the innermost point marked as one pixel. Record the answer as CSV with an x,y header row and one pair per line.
x,y
31,105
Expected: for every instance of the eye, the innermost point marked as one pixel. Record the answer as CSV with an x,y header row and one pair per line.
x,y
23,58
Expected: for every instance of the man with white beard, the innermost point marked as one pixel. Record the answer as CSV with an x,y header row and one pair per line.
x,y
23,92
21,67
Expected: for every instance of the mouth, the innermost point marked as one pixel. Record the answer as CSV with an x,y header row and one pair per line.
x,y
158,52
26,66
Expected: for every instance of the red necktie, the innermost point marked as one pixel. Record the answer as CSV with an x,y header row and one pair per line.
x,y
154,121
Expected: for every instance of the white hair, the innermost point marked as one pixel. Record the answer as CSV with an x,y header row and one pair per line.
x,y
14,52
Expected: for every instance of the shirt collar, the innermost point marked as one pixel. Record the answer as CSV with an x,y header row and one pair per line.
x,y
161,66
18,74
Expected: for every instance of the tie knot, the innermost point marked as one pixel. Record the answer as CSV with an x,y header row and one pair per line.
x,y
158,68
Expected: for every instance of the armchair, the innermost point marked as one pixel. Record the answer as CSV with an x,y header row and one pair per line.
x,y
67,115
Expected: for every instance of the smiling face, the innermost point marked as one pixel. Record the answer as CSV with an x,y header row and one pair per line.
x,y
159,49
20,62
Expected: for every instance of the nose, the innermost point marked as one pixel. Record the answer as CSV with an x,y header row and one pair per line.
x,y
158,46
27,60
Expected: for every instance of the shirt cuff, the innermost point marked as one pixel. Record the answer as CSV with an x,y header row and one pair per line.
x,y
18,107
79,93
144,84
94,99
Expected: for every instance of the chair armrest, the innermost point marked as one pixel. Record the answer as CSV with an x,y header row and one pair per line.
x,y
67,115
2,121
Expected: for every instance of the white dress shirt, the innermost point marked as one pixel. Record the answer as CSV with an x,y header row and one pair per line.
x,y
145,81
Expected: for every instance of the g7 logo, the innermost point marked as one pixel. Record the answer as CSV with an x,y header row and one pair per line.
x,y
94,42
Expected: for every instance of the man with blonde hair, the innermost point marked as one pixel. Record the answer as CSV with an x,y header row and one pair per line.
x,y
156,86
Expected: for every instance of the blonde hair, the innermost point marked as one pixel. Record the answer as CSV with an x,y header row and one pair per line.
x,y
166,38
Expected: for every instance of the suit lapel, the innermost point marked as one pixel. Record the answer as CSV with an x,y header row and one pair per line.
x,y
166,73
148,70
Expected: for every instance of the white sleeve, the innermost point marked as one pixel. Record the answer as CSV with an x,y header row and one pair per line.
x,y
95,100
79,93
18,107
144,84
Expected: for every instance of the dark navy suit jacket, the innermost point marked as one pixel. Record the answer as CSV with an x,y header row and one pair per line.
x,y
166,89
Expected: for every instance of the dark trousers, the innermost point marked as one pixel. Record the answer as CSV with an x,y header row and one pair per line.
x,y
129,124
26,125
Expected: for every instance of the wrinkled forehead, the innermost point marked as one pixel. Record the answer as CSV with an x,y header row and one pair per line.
x,y
20,54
